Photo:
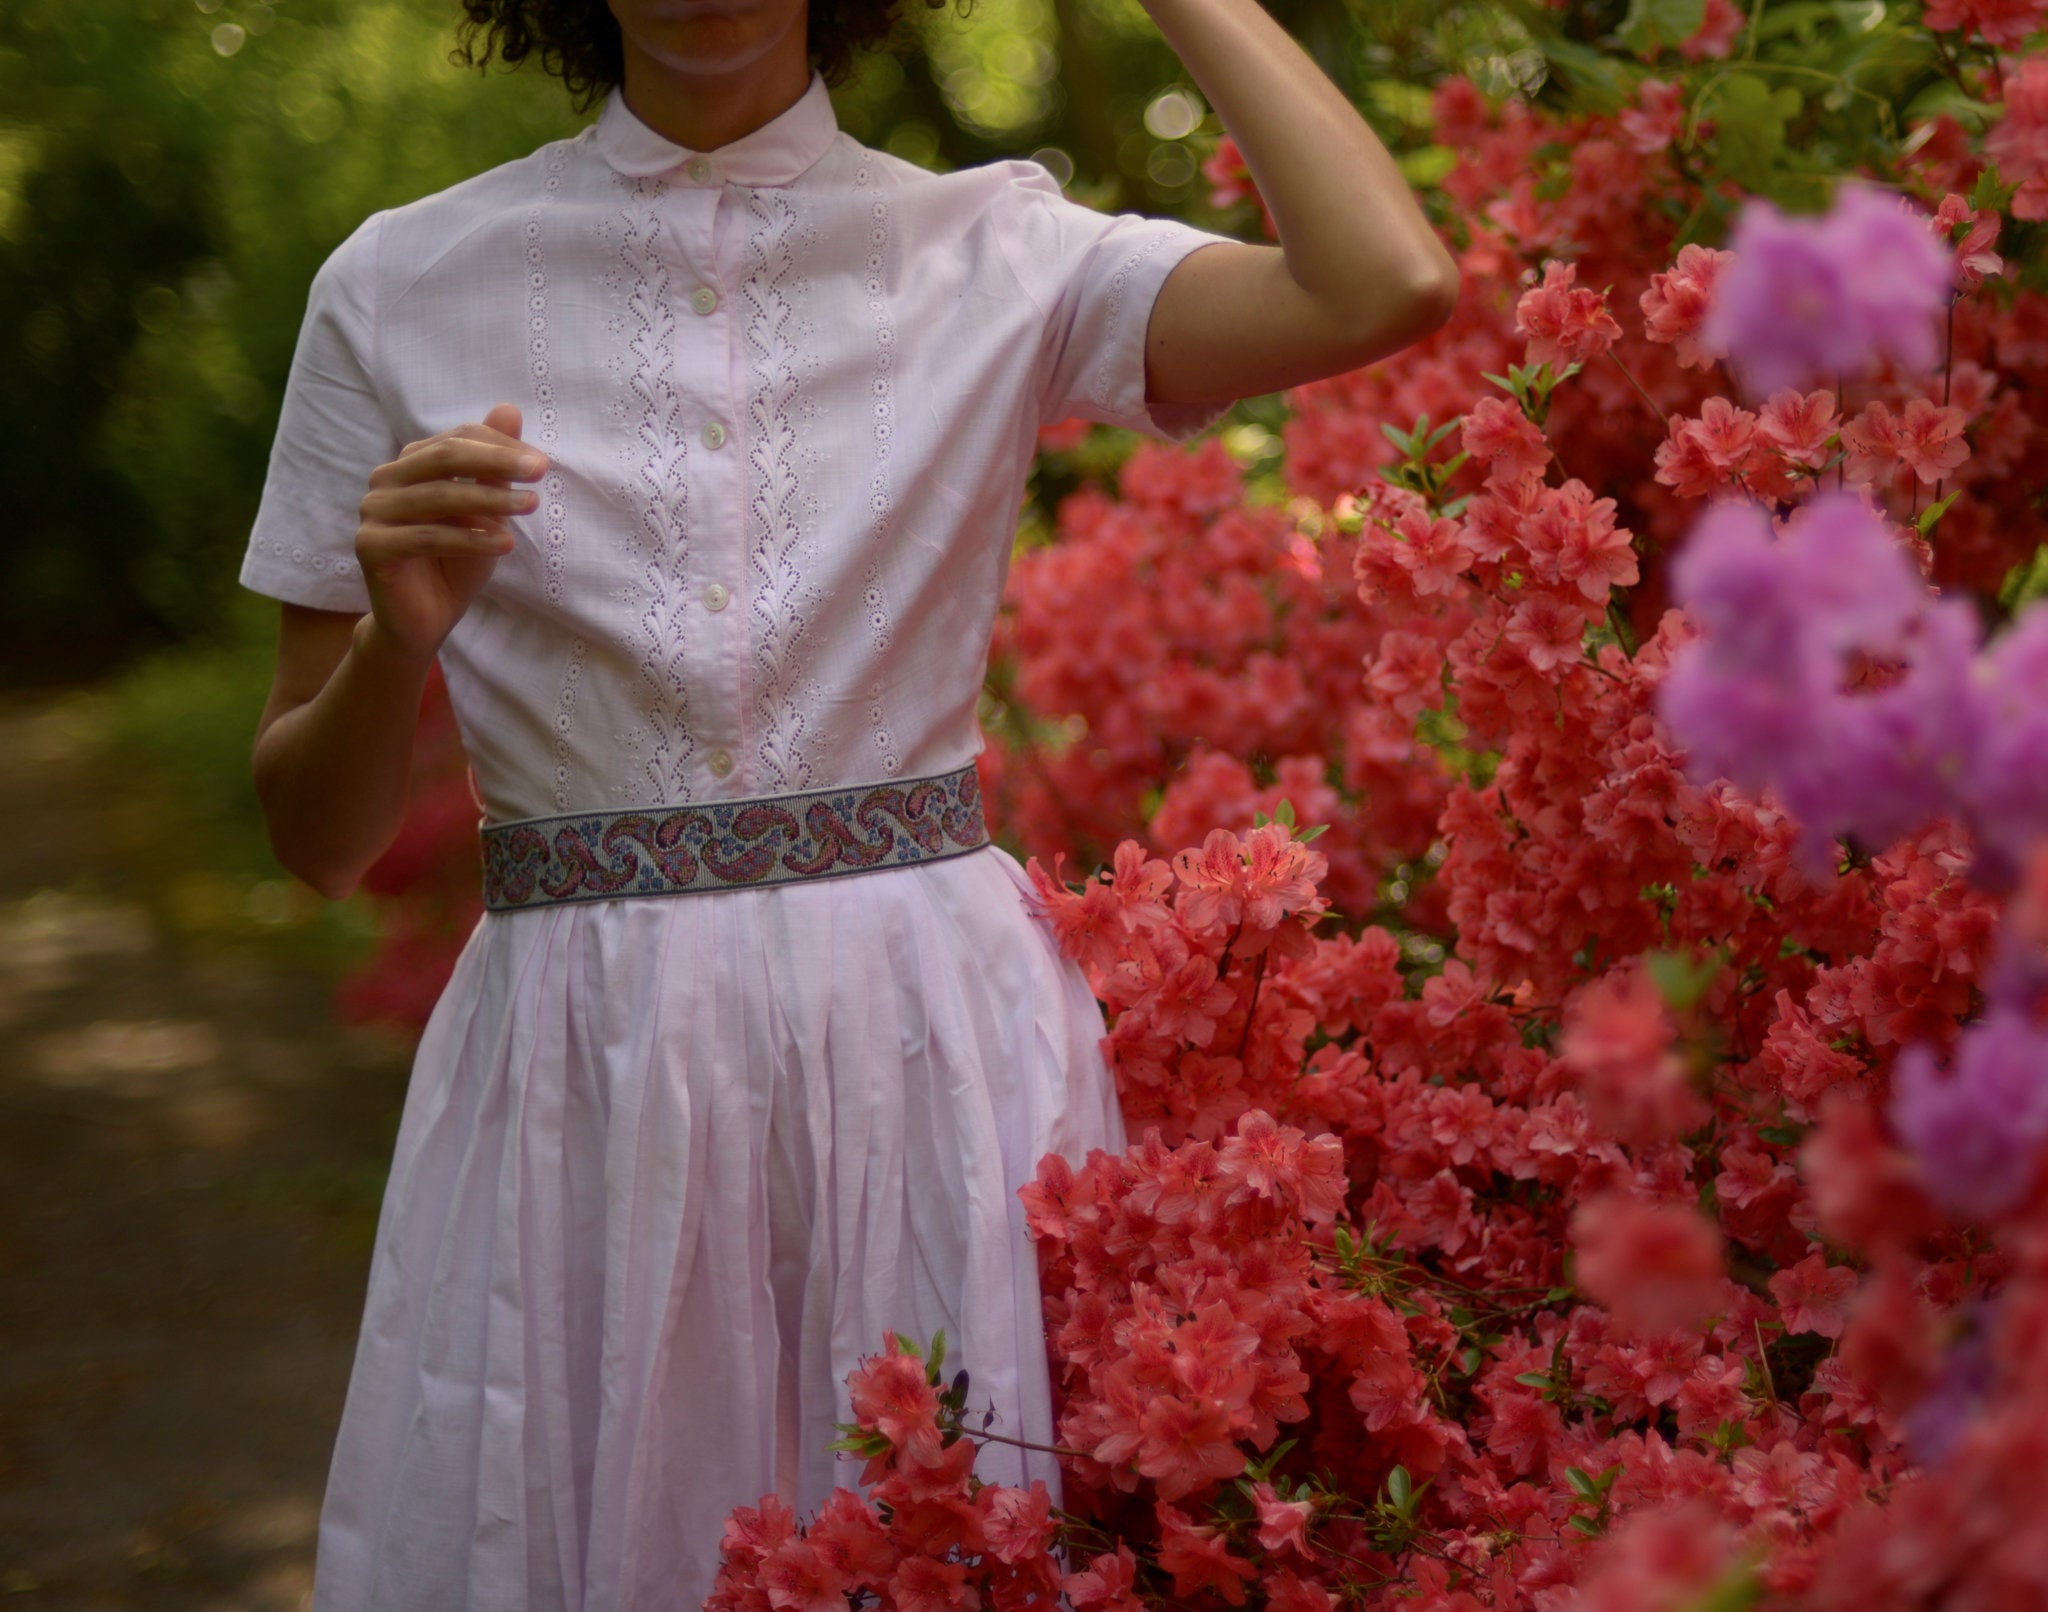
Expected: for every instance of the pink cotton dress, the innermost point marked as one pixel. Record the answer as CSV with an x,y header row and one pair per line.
x,y
670,1166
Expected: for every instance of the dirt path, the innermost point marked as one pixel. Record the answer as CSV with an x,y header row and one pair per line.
x,y
190,1154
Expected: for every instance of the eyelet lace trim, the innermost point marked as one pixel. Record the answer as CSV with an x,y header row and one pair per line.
x,y
660,455
780,594
546,434
882,404
1105,374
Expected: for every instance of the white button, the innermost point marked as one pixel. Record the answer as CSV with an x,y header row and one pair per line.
x,y
698,168
715,597
703,299
714,434
720,762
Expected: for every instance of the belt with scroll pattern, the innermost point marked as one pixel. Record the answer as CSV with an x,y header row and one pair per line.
x,y
731,844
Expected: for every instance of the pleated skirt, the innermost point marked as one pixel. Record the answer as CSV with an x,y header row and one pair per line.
x,y
668,1168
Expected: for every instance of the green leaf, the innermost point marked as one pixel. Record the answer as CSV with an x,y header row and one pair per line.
x,y
1401,1489
1582,1484
1284,813
1749,128
1680,979
1655,25
1405,102
1598,82
1942,98
1934,512
1308,834
2025,582
938,1352
1990,192
1427,166
1737,1590
1536,1379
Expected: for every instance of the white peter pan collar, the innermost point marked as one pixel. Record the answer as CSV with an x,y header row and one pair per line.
x,y
777,153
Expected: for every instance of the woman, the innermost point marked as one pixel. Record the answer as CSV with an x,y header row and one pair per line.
x,y
691,447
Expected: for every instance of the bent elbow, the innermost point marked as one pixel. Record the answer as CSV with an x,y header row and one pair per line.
x,y
1425,303
333,886
1436,299
1401,315
306,862
325,877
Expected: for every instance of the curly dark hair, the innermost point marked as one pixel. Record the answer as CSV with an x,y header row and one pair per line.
x,y
578,40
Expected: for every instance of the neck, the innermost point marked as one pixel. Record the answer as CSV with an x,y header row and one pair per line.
x,y
703,111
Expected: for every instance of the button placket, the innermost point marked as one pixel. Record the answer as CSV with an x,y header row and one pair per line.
x,y
713,392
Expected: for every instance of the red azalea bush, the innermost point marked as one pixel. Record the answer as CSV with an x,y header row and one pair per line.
x,y
1578,1178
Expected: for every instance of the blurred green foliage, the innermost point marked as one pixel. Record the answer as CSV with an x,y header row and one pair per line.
x,y
172,172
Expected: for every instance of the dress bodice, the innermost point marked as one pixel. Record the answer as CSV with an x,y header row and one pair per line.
x,y
790,391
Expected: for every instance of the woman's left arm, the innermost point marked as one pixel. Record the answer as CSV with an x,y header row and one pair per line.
x,y
1359,272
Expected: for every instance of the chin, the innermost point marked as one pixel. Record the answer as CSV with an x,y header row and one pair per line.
x,y
700,37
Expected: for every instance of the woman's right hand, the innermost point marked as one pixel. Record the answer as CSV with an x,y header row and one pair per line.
x,y
434,526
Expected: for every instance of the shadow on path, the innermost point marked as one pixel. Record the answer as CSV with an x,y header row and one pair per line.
x,y
190,1157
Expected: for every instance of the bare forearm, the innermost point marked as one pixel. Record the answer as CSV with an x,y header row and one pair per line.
x,y
331,773
1347,219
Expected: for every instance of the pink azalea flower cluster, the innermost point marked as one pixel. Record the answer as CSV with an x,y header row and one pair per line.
x,y
926,1536
1644,1102
1186,976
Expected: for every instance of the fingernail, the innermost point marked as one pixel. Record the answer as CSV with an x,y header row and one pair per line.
x,y
531,464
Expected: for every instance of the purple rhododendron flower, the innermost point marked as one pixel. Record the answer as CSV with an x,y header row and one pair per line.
x,y
1760,699
1807,299
1980,1132
1896,756
2008,794
1730,578
1957,1396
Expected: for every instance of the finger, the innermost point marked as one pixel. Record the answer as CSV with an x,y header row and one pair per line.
x,y
472,431
406,504
505,417
449,456
383,545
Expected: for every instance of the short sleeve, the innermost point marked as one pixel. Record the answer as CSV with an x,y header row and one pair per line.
x,y
332,432
1094,277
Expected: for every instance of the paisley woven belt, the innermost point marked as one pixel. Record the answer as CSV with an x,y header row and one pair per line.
x,y
731,844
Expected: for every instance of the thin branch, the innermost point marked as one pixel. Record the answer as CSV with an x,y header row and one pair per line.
x,y
1258,980
1026,1444
1662,417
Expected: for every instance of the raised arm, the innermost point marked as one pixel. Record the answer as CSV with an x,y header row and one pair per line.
x,y
1358,272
